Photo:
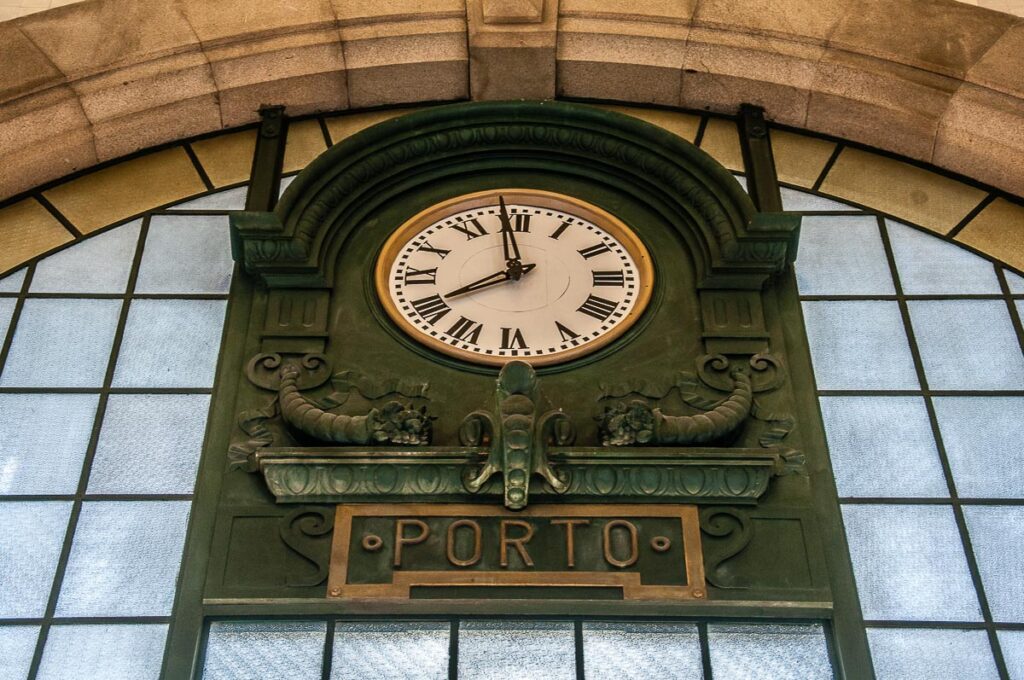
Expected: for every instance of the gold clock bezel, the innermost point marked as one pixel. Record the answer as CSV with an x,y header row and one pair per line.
x,y
535,197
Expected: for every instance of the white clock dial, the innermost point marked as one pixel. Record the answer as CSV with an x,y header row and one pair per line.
x,y
547,280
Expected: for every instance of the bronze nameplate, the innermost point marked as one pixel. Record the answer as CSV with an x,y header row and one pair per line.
x,y
404,551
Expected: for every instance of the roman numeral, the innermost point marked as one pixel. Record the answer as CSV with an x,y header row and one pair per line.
x,y
473,230
512,338
566,333
415,276
561,228
466,330
598,307
431,308
426,247
521,223
615,278
594,251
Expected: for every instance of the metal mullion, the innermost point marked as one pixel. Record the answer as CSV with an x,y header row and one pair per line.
x,y
896,500
889,298
1004,286
920,393
958,514
825,169
577,635
328,651
984,203
200,170
705,650
8,340
701,129
453,649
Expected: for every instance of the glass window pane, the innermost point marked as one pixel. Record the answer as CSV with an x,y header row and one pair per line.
x,y
12,282
842,256
230,199
997,534
186,254
150,443
43,438
170,343
1015,281
1012,644
279,650
30,544
17,646
124,559
859,345
103,652
930,266
6,312
639,651
801,200
768,652
984,442
902,654
882,447
390,651
909,563
498,650
285,182
99,264
61,343
967,344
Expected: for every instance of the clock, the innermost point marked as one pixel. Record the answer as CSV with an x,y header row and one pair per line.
x,y
507,274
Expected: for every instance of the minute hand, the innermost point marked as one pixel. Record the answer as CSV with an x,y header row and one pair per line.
x,y
488,281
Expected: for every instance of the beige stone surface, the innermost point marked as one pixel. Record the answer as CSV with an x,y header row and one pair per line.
x,y
509,60
799,159
126,189
721,141
998,231
27,229
514,11
305,142
27,68
227,158
343,127
684,125
906,191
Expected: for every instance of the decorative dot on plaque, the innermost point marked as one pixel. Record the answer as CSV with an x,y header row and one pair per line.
x,y
660,544
372,542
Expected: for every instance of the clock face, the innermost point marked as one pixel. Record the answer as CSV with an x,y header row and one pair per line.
x,y
514,274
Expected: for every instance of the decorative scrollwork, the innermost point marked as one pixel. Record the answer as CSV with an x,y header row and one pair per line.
x,y
254,424
721,523
263,370
307,522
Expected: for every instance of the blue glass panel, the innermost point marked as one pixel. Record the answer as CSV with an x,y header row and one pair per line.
x,y
150,444
17,645
891,434
278,650
912,654
859,345
768,652
997,534
909,563
639,651
984,442
103,652
230,199
6,312
61,343
186,254
390,651
842,256
30,544
967,344
43,438
498,650
124,559
147,359
12,282
801,200
1012,644
1015,281
99,264
930,266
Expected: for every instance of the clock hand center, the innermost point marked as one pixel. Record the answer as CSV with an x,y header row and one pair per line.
x,y
492,280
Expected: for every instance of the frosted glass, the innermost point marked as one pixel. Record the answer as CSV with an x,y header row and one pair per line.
x,y
498,650
17,646
170,343
768,652
967,344
12,282
909,563
842,256
150,444
186,254
279,650
99,264
640,651
882,446
1012,644
859,345
1013,279
742,181
103,652
390,651
230,199
911,654
61,343
997,534
29,547
984,442
930,266
124,559
285,182
43,439
6,312
800,200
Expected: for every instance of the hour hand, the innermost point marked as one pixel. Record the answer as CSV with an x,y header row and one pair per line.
x,y
488,281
